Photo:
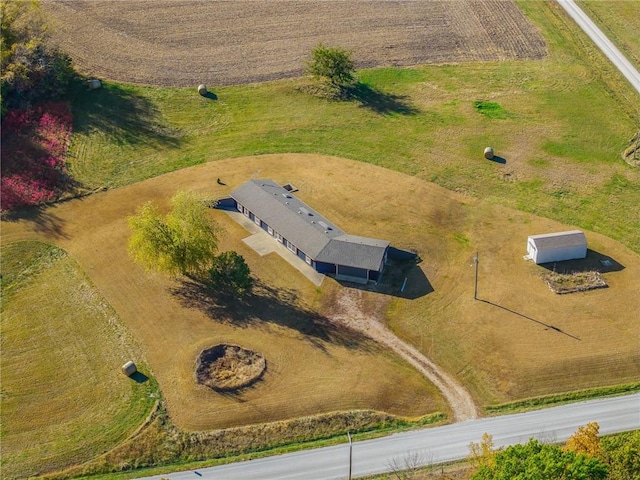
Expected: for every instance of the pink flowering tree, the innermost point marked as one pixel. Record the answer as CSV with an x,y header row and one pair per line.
x,y
34,149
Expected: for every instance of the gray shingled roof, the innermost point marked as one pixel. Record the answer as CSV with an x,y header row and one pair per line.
x,y
549,241
312,233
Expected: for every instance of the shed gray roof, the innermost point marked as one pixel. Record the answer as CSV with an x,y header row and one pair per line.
x,y
309,231
549,241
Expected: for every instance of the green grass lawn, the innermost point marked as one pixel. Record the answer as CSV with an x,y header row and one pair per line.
x,y
64,400
620,22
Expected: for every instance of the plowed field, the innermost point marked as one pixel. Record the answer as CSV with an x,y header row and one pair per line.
x,y
181,43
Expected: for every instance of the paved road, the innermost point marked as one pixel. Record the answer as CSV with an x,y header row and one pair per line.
x,y
602,42
431,445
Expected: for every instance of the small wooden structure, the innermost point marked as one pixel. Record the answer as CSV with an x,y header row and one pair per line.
x,y
202,89
488,153
556,247
129,368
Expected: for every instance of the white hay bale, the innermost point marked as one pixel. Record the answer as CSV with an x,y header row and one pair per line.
x,y
488,153
129,368
202,89
94,83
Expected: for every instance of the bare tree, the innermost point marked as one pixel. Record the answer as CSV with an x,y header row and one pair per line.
x,y
410,465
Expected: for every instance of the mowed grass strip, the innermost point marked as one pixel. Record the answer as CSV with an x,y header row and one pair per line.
x,y
568,397
620,22
570,116
64,399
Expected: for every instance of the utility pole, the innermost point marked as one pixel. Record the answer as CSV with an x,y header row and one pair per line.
x,y
350,453
476,260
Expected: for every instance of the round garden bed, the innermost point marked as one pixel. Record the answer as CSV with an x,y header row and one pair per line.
x,y
229,367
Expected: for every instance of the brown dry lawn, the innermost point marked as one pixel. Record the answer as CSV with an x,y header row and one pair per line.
x,y
499,354
181,43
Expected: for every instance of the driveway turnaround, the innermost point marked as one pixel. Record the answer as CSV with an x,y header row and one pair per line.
x,y
602,42
430,445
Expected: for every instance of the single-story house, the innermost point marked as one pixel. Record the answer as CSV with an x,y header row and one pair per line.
x,y
556,247
309,235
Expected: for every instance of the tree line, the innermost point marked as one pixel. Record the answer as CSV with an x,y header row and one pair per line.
x,y
32,69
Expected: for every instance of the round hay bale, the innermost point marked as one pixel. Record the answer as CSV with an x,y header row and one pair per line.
x,y
488,153
94,83
129,368
202,90
226,368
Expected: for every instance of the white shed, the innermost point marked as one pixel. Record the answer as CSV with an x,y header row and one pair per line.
x,y
556,247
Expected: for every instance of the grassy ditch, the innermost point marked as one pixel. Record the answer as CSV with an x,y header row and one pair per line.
x,y
619,22
64,400
161,444
560,399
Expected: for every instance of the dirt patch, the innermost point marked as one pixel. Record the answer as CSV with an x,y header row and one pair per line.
x,y
574,282
228,368
185,43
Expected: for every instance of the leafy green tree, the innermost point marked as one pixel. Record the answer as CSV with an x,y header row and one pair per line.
x,y
230,275
333,67
540,461
32,69
622,454
184,241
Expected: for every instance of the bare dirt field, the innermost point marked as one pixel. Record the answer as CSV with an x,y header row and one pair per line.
x,y
519,340
182,43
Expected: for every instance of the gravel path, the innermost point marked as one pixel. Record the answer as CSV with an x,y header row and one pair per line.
x,y
349,313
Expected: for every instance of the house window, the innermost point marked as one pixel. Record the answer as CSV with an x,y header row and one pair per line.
x,y
307,259
292,247
256,220
239,207
278,237
247,213
270,230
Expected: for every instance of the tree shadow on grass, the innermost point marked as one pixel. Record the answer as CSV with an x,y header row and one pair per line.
x,y
122,115
380,102
267,304
43,219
